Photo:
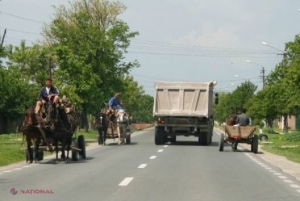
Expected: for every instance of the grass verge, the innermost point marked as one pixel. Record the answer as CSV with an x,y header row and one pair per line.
x,y
287,145
10,145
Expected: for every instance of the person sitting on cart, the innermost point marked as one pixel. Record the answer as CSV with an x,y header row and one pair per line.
x,y
47,93
243,119
114,102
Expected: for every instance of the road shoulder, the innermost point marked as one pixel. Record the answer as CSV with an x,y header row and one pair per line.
x,y
280,162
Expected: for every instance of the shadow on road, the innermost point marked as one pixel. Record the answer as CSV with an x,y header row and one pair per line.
x,y
192,143
116,144
60,161
228,149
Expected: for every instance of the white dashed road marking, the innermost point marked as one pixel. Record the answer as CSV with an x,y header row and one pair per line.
x,y
282,177
17,169
294,186
166,146
142,166
126,181
152,157
7,171
161,150
26,166
288,181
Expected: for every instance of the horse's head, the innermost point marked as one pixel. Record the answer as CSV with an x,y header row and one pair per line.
x,y
29,117
122,116
101,119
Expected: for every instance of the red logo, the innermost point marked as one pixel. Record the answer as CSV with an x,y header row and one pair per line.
x,y
13,191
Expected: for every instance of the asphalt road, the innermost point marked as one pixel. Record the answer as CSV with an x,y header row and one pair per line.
x,y
143,171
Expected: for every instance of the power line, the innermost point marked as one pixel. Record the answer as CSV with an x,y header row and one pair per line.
x,y
166,44
199,55
23,18
21,31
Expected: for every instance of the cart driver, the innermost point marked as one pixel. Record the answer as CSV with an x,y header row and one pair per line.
x,y
243,119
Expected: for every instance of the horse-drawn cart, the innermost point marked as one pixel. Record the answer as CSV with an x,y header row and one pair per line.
x,y
53,129
113,124
239,134
77,149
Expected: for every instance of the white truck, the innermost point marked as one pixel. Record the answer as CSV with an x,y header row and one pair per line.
x,y
184,108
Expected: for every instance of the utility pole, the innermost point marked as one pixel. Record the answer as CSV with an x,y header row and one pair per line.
x,y
2,42
50,67
263,75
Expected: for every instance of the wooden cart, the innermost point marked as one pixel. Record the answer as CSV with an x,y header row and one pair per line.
x,y
239,134
78,149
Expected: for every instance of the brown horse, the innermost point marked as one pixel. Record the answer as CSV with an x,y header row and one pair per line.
x,y
231,119
32,134
37,130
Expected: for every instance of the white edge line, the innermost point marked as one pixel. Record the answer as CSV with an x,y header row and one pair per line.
x,y
7,171
126,181
17,169
282,177
288,181
294,185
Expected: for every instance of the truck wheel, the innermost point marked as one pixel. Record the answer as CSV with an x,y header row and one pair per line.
x,y
204,139
173,139
221,143
159,136
255,144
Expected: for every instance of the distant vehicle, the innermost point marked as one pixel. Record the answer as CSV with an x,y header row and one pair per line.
x,y
184,108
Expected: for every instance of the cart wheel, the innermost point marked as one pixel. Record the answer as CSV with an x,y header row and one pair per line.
x,y
74,155
81,145
73,151
173,139
40,155
128,139
263,137
221,143
254,145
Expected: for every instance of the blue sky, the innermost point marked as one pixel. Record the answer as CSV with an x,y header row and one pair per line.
x,y
184,40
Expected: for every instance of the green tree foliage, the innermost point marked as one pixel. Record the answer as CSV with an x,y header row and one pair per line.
x,y
90,42
237,99
14,96
31,60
